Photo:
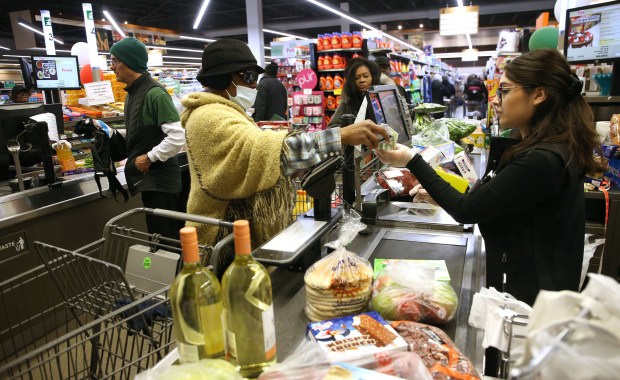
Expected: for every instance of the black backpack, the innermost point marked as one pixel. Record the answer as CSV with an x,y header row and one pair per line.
x,y
105,151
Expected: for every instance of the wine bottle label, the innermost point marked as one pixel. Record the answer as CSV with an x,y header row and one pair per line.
x,y
188,353
231,345
269,333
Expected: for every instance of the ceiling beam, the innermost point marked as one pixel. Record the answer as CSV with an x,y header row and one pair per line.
x,y
332,22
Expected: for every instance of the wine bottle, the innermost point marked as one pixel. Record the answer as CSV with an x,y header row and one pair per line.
x,y
196,300
248,309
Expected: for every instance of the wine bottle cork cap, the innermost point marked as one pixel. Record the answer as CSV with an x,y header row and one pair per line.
x,y
241,233
189,244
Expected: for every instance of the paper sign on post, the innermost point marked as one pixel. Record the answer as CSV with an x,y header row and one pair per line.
x,y
99,92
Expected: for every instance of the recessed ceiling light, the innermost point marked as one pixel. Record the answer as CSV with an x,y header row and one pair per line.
x,y
103,19
400,27
421,25
125,22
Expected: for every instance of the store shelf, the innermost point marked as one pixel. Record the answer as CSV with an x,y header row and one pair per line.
x,y
602,99
401,57
328,110
5,89
419,62
339,50
330,70
379,51
72,123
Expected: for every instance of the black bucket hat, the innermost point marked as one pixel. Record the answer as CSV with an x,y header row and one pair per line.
x,y
227,56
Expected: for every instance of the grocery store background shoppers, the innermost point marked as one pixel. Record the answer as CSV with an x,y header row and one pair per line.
x,y
271,98
154,136
384,67
360,74
19,94
531,212
237,170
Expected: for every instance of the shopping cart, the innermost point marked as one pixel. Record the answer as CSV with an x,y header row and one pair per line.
x,y
77,317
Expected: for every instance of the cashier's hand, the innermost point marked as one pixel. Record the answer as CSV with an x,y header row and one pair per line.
x,y
365,132
398,158
143,163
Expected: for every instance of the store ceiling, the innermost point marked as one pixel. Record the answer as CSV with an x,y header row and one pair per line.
x,y
227,18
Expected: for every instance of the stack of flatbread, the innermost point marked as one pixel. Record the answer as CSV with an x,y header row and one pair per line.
x,y
337,285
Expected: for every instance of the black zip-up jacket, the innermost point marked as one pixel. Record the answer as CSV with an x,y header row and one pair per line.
x,y
271,99
531,216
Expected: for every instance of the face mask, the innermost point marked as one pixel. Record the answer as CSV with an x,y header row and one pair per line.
x,y
245,96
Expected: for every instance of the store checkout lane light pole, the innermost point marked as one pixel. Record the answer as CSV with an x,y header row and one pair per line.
x,y
28,26
203,9
114,24
359,22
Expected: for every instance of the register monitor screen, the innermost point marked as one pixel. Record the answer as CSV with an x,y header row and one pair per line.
x,y
56,72
593,33
12,118
387,109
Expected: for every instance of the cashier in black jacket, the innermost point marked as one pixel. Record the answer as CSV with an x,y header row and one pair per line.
x,y
531,213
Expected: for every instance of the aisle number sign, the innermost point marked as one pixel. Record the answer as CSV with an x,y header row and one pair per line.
x,y
99,92
46,21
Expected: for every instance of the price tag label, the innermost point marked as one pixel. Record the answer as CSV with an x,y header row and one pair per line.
x,y
307,91
338,91
289,75
99,92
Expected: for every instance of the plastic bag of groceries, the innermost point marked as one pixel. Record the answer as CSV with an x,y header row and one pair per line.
x,y
408,291
309,362
340,283
438,352
205,369
398,181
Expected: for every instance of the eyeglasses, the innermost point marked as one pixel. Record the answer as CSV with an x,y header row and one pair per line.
x,y
504,90
115,61
249,76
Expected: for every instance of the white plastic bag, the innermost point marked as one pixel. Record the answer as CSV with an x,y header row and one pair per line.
x,y
205,369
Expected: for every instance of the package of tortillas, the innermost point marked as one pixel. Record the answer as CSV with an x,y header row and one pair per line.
x,y
340,283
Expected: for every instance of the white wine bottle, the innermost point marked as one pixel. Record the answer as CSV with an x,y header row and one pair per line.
x,y
248,309
196,300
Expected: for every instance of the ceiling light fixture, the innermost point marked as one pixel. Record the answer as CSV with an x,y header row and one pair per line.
x,y
114,24
283,34
5,48
16,56
182,63
125,22
197,39
28,26
203,9
400,27
57,50
165,47
181,57
421,25
359,22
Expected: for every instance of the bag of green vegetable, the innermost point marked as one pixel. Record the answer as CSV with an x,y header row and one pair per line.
x,y
205,369
459,129
405,290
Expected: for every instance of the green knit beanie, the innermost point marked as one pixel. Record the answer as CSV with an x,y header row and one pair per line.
x,y
132,53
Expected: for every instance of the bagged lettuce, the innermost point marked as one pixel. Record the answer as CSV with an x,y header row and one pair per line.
x,y
408,291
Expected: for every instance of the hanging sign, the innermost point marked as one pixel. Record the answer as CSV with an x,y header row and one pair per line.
x,y
46,21
306,79
91,34
458,20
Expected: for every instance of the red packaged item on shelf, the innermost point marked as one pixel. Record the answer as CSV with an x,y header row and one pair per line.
x,y
438,352
327,41
329,83
322,83
327,62
331,102
357,40
338,82
320,63
336,41
319,43
347,40
338,101
355,55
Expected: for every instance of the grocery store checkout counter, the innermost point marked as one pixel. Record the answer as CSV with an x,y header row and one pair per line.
x,y
393,233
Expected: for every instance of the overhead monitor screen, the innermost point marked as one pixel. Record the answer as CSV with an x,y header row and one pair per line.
x,y
56,72
593,33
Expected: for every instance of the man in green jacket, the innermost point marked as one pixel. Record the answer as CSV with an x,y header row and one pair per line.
x,y
154,136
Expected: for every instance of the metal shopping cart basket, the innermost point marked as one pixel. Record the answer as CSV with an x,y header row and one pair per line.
x,y
78,317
